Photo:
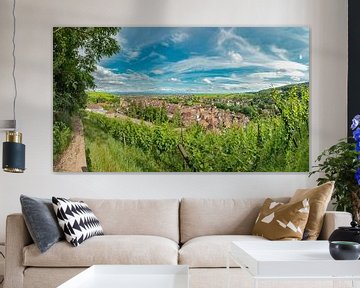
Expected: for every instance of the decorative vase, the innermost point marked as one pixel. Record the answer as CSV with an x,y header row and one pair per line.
x,y
345,233
344,250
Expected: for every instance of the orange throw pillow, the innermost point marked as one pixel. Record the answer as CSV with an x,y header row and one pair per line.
x,y
279,221
319,198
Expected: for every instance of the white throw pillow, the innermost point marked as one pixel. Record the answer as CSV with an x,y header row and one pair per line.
x,y
76,220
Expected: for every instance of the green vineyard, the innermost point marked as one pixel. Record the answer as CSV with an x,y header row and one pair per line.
x,y
277,140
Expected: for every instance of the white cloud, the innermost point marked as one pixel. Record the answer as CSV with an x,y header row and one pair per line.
x,y
227,39
122,41
154,54
245,86
265,75
133,54
235,57
303,38
295,75
199,63
281,53
252,55
167,89
231,52
203,63
129,54
105,74
235,52
286,65
179,37
158,71
107,80
207,81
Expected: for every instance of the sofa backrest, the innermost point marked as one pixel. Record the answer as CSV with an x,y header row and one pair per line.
x,y
200,217
159,217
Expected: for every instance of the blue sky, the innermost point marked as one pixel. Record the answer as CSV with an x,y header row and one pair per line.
x,y
205,60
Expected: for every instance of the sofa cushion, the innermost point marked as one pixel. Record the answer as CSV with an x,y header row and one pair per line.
x,y
107,249
211,251
41,221
319,198
76,220
158,217
200,217
279,221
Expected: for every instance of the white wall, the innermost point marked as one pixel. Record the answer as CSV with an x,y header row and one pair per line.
x,y
327,20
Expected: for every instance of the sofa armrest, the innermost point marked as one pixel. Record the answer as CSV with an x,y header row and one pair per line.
x,y
17,237
333,220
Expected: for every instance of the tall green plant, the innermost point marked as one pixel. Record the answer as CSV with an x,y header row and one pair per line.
x,y
341,163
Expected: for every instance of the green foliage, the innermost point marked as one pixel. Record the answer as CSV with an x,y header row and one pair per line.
x,y
176,119
61,138
258,147
105,154
139,110
155,145
339,163
247,110
76,51
101,97
278,141
293,108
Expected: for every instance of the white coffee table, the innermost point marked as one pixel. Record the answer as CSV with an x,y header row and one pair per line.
x,y
292,260
131,276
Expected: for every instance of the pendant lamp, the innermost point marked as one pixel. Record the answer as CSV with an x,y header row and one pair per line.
x,y
13,159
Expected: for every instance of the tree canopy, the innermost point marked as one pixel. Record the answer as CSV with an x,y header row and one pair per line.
x,y
76,50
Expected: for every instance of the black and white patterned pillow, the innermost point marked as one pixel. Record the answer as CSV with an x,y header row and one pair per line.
x,y
77,220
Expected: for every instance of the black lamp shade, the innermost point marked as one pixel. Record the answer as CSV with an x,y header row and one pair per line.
x,y
13,157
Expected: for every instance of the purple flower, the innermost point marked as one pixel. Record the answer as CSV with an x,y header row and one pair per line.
x,y
355,126
355,122
356,134
357,176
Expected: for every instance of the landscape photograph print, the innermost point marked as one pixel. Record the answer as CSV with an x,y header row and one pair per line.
x,y
181,99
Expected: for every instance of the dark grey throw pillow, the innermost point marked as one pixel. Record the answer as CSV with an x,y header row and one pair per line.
x,y
41,221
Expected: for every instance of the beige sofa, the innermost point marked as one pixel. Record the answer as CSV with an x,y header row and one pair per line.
x,y
194,232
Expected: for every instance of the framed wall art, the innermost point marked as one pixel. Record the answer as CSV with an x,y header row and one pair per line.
x,y
181,99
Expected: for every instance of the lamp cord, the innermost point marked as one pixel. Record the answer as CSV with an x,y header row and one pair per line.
x,y
14,61
2,280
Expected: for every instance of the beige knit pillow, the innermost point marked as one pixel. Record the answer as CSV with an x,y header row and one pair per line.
x,y
319,198
279,221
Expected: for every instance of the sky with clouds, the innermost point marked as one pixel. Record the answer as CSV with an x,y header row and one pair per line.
x,y
205,60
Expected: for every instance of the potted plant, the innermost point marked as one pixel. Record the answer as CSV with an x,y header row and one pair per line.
x,y
341,163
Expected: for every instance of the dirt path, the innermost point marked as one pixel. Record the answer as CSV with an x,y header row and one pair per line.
x,y
74,158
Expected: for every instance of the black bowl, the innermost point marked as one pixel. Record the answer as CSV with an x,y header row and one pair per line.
x,y
344,250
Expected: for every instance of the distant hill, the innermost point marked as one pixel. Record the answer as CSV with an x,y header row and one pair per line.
x,y
284,88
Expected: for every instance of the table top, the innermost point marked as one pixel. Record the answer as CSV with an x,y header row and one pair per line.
x,y
131,276
291,259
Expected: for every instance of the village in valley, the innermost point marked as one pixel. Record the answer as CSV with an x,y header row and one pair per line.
x,y
204,112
